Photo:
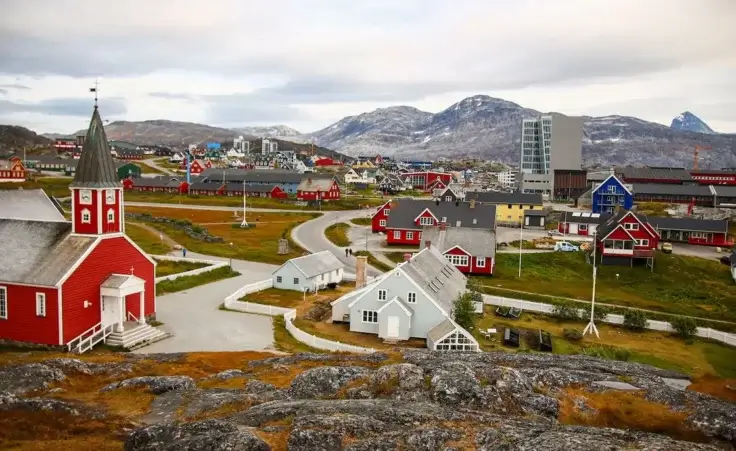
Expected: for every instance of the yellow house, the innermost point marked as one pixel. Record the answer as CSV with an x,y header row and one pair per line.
x,y
365,164
510,207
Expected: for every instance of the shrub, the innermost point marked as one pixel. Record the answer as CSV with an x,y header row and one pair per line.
x,y
566,311
332,285
685,327
601,312
464,311
572,334
635,320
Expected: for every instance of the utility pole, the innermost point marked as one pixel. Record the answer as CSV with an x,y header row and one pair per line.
x,y
590,328
244,223
521,244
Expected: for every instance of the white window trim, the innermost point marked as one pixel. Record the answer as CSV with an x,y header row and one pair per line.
x,y
110,192
382,223
4,302
382,295
110,216
458,260
631,226
40,304
426,221
397,234
411,295
386,211
81,201
86,216
643,242
480,262
409,235
367,314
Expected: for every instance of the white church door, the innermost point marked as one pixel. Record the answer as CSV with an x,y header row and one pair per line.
x,y
111,310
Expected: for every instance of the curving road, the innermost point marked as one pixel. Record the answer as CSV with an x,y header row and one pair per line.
x,y
311,236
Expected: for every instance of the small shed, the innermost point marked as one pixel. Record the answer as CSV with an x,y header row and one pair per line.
x,y
534,219
127,169
309,273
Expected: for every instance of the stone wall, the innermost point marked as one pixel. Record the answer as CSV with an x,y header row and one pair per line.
x,y
192,230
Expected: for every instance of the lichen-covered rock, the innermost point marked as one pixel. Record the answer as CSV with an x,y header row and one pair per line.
x,y
156,384
430,439
10,402
505,379
323,381
346,424
386,442
408,377
257,387
713,417
228,374
375,357
22,379
455,384
540,405
314,440
68,365
208,435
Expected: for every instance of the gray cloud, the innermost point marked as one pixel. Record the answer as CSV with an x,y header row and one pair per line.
x,y
173,96
6,87
63,107
3,91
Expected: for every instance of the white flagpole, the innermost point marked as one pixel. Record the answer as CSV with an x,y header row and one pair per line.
x,y
244,223
590,328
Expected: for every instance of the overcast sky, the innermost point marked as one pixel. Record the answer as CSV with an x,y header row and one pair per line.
x,y
308,63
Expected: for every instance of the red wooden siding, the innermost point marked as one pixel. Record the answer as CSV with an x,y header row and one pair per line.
x,y
79,226
380,218
112,255
23,324
114,226
472,266
397,236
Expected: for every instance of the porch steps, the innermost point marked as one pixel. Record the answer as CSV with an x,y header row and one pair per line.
x,y
136,336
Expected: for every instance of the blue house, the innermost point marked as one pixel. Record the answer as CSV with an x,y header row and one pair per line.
x,y
611,193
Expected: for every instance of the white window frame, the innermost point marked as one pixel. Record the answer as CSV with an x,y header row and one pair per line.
x,y
86,216
409,235
643,242
397,234
40,304
631,226
426,221
279,279
480,262
382,295
369,317
386,211
411,297
110,193
444,219
111,216
582,227
382,223
3,302
458,260
448,198
81,200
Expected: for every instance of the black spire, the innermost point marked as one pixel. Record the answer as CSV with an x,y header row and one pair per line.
x,y
96,167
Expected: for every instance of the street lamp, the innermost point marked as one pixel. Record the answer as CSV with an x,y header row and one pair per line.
x,y
590,328
231,256
521,244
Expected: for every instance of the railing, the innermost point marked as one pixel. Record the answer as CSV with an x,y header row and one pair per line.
x,y
75,342
211,265
232,303
611,318
131,315
84,344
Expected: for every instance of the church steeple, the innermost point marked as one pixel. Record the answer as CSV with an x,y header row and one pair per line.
x,y
97,194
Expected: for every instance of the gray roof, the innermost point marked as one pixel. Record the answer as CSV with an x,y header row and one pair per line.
x,y
28,205
479,242
404,211
577,217
655,173
42,253
611,222
312,184
725,190
690,224
256,176
490,197
205,186
96,167
118,280
671,189
435,275
315,264
238,187
535,213
442,329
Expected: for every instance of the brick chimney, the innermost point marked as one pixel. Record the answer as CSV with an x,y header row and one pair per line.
x,y
472,203
443,226
427,244
361,265
309,181
407,257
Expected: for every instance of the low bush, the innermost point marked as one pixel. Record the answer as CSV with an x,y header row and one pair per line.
x,y
567,311
606,352
601,312
685,327
572,334
635,320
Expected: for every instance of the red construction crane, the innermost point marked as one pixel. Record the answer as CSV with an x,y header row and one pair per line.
x,y
696,153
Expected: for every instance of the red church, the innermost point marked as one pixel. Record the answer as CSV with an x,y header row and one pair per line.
x,y
74,284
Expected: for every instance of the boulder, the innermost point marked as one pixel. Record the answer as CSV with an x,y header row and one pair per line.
x,y
208,435
156,384
21,379
455,384
323,381
228,374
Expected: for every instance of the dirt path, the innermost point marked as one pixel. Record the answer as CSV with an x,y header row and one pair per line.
x,y
167,239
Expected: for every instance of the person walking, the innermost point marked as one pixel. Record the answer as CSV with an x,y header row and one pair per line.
x,y
183,251
351,252
346,252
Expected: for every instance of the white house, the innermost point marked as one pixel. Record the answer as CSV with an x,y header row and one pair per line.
x,y
176,158
309,273
414,300
235,153
507,178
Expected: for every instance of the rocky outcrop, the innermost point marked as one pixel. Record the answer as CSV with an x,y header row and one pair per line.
x,y
22,379
158,385
209,435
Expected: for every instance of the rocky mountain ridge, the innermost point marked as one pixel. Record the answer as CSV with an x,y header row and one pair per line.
x,y
687,121
416,400
490,128
15,138
271,131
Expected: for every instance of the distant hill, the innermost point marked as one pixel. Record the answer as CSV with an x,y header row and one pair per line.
x,y
165,132
273,131
689,122
14,137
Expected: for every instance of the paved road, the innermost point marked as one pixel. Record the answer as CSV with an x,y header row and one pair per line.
x,y
197,324
150,162
311,236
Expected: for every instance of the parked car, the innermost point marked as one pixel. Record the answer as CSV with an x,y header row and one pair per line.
x,y
666,248
726,260
554,233
564,246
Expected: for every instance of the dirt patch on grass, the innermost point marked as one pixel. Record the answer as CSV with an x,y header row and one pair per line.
x,y
714,386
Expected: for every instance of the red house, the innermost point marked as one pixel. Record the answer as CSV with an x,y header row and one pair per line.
x,y
702,232
580,223
198,166
425,180
165,184
327,162
472,251
236,189
14,171
626,237
408,218
318,189
75,283
380,218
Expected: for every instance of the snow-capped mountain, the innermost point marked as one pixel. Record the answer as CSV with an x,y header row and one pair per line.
x,y
687,121
273,131
487,127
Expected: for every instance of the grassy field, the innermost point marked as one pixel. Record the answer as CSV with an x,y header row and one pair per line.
x,y
296,299
169,267
361,221
187,282
373,261
351,203
259,243
396,257
660,349
146,169
150,242
53,186
679,284
338,234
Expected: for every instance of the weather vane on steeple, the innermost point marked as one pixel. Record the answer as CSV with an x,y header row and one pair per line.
x,y
97,84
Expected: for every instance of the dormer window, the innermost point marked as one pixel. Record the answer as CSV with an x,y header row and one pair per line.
x,y
110,216
86,217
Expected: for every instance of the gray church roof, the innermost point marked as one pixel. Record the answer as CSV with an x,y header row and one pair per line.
x,y
28,205
96,167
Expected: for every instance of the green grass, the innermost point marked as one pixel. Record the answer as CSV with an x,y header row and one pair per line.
x,y
361,221
53,186
151,243
338,234
169,267
285,342
679,284
373,261
396,257
187,282
146,169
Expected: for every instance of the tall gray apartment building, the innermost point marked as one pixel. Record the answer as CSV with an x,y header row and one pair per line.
x,y
548,143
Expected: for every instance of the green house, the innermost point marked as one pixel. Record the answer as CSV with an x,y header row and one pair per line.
x,y
127,169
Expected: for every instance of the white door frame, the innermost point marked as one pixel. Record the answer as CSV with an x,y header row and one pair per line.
x,y
389,323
